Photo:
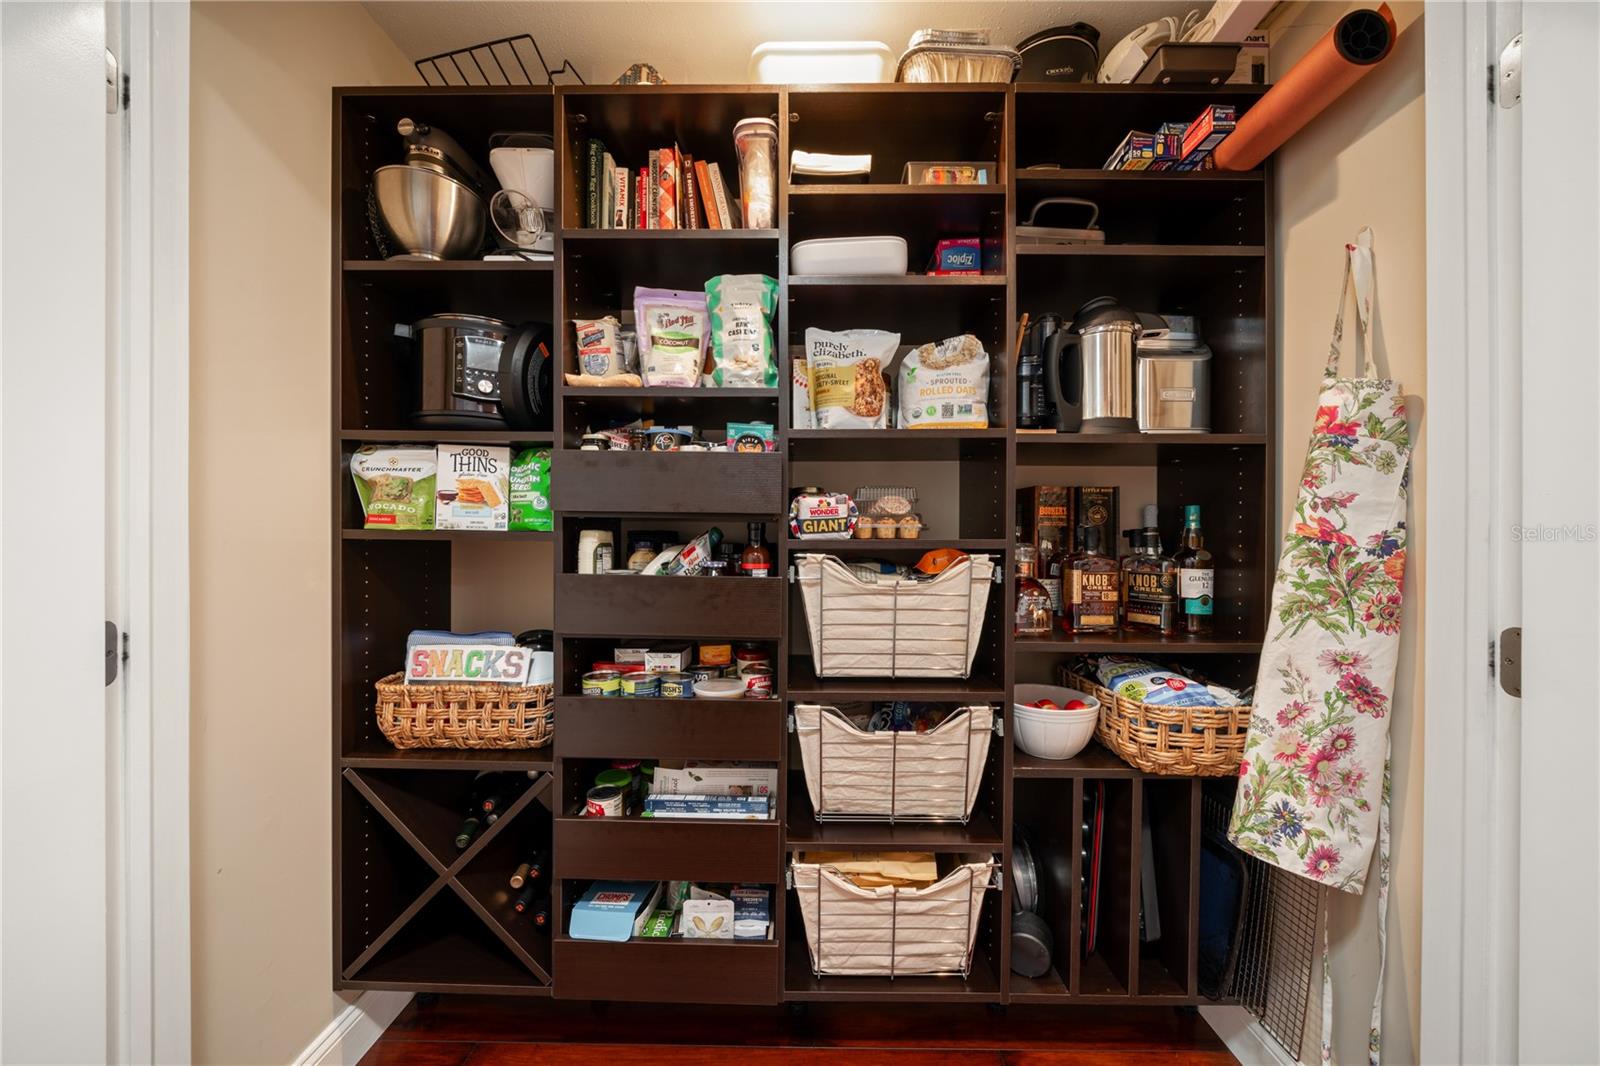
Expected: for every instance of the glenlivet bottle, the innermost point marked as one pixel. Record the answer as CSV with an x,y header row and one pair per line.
x,y
1197,575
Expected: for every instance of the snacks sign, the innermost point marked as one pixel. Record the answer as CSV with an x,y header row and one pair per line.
x,y
469,664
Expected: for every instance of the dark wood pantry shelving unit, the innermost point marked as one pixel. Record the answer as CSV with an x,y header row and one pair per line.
x,y
410,910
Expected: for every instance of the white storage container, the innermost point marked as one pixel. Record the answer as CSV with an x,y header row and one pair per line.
x,y
894,627
821,62
849,255
892,932
859,775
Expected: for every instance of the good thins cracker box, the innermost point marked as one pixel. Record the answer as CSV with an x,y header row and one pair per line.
x,y
473,486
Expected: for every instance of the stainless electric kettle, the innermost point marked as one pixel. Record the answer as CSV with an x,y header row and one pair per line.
x,y
1089,369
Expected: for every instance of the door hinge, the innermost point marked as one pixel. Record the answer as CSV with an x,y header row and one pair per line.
x,y
1505,77
1508,662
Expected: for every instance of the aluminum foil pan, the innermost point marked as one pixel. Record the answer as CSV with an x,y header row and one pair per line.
x,y
929,63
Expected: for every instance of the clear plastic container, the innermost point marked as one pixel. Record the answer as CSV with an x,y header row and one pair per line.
x,y
756,140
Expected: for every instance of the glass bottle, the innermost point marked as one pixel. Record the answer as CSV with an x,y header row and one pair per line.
x,y
1034,610
1053,571
756,560
1150,583
1197,575
1093,588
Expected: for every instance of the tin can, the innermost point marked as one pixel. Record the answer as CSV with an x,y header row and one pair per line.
x,y
641,685
602,683
758,682
676,686
704,672
746,658
604,801
614,778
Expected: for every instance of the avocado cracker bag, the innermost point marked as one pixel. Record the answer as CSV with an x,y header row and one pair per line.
x,y
395,486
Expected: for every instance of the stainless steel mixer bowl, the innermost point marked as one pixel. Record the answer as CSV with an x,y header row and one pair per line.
x,y
429,215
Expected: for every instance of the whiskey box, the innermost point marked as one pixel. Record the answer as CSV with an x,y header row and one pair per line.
x,y
1097,507
1045,517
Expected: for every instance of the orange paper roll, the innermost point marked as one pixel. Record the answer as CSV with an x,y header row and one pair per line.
x,y
1354,45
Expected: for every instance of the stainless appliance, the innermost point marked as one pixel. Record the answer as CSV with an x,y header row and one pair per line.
x,y
1089,369
478,372
432,204
1173,376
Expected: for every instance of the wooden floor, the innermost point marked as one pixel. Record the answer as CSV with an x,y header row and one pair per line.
x,y
488,1031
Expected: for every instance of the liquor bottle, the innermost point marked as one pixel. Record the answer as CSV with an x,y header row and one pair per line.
x,y
500,797
756,559
1150,583
1093,586
1034,610
1197,575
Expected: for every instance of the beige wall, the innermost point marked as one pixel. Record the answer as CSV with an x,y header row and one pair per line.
x,y
259,224
1362,163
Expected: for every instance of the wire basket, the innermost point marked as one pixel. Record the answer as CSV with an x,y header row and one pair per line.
x,y
465,716
893,932
856,775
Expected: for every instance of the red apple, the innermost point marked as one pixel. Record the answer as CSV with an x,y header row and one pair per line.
x,y
1076,705
1045,705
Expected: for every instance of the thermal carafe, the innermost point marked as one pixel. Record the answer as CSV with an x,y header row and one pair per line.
x,y
1097,356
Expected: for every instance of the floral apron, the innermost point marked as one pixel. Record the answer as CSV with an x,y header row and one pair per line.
x,y
1314,786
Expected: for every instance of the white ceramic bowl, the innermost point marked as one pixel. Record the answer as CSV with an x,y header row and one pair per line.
x,y
1022,695
1054,734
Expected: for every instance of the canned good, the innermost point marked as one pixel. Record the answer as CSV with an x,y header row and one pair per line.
x,y
746,658
676,686
758,682
641,685
604,801
615,778
602,683
705,672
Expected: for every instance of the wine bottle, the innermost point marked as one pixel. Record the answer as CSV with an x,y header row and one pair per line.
x,y
468,830
540,911
538,865
519,876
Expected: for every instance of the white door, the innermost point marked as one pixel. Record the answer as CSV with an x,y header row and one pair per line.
x,y
1558,1002
55,759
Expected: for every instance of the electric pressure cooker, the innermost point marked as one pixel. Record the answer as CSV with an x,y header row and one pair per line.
x,y
474,372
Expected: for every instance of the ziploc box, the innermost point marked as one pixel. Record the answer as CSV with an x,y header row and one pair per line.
x,y
957,256
613,910
752,915
1208,130
473,486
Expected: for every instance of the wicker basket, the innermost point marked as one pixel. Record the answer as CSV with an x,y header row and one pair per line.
x,y
1172,741
465,716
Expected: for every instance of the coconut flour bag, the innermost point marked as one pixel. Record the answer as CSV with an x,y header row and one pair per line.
x,y
741,308
672,329
848,389
945,385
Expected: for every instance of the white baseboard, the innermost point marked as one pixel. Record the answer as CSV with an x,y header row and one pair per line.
x,y
1242,1033
352,1034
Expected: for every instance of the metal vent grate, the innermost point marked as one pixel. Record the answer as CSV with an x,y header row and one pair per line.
x,y
1278,949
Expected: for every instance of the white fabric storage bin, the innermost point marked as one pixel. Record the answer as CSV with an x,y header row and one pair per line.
x,y
894,627
849,255
852,773
892,932
821,63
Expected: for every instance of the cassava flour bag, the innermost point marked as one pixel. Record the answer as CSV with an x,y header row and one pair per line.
x,y
945,385
848,388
